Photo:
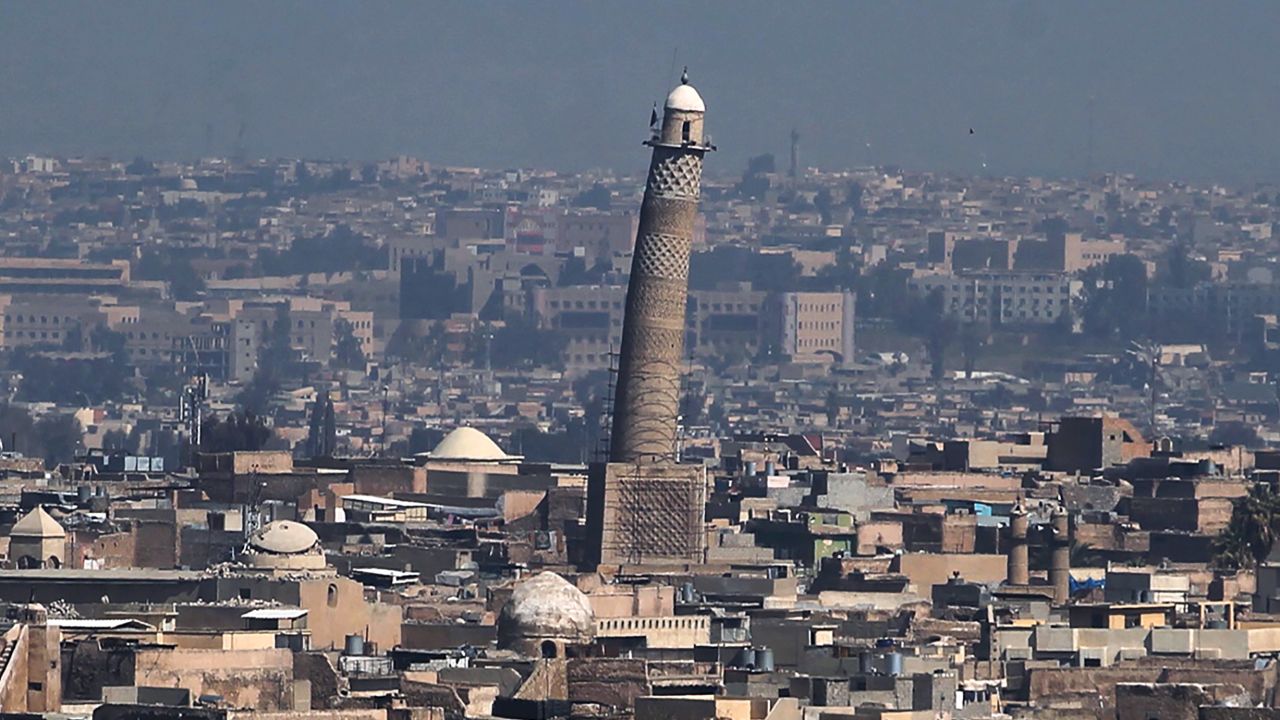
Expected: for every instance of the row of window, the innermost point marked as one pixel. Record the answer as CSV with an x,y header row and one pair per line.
x,y
1019,289
818,307
1048,314
655,623
584,304
817,325
31,319
816,343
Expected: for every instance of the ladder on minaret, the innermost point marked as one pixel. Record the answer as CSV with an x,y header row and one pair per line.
x,y
605,425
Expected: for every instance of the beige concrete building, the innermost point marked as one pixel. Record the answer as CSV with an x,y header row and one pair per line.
x,y
815,326
1001,298
593,236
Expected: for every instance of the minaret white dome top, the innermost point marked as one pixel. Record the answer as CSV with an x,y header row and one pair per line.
x,y
685,99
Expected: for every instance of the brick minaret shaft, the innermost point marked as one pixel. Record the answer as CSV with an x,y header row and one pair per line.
x,y
1018,569
1060,562
647,394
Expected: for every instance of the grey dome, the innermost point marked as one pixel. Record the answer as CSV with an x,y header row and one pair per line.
x,y
546,607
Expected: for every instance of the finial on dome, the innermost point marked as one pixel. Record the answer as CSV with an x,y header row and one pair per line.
x,y
684,76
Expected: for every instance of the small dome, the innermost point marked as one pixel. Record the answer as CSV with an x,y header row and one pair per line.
x,y
37,524
467,443
546,607
685,99
188,184
284,537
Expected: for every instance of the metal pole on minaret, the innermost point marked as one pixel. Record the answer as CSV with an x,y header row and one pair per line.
x,y
647,398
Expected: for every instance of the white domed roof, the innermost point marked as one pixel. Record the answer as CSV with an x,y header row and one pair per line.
x,y
37,524
468,443
685,99
284,537
546,606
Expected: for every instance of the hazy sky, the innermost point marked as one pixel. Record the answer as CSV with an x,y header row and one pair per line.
x,y
1179,89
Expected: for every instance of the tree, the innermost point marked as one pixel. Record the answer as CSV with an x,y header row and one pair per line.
x,y
1182,269
853,197
420,342
233,433
166,266
1252,530
517,344
423,439
60,437
70,379
939,329
120,441
973,337
275,359
1115,299
341,250
348,353
16,431
322,436
825,204
1235,433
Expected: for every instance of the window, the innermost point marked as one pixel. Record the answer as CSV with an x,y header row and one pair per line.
x,y
684,131
332,595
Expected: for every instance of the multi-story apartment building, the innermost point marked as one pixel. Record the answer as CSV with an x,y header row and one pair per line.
x,y
1060,252
814,326
806,326
597,235
1002,298
1232,305
49,320
312,324
58,276
588,317
720,321
470,224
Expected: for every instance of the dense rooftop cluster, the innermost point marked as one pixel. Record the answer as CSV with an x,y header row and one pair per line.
x,y
315,437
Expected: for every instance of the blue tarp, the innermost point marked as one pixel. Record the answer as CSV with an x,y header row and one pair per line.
x,y
1087,584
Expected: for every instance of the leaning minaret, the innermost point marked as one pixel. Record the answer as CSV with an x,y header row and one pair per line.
x,y
644,508
647,395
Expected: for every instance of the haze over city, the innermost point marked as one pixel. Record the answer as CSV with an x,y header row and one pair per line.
x,y
1179,89
646,361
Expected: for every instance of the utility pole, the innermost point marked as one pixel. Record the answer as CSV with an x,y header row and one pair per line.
x,y
382,440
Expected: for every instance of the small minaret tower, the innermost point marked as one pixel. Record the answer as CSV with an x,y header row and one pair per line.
x,y
1060,561
1018,568
647,397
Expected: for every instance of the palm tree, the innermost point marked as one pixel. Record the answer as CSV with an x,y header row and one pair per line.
x,y
1086,555
1252,531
